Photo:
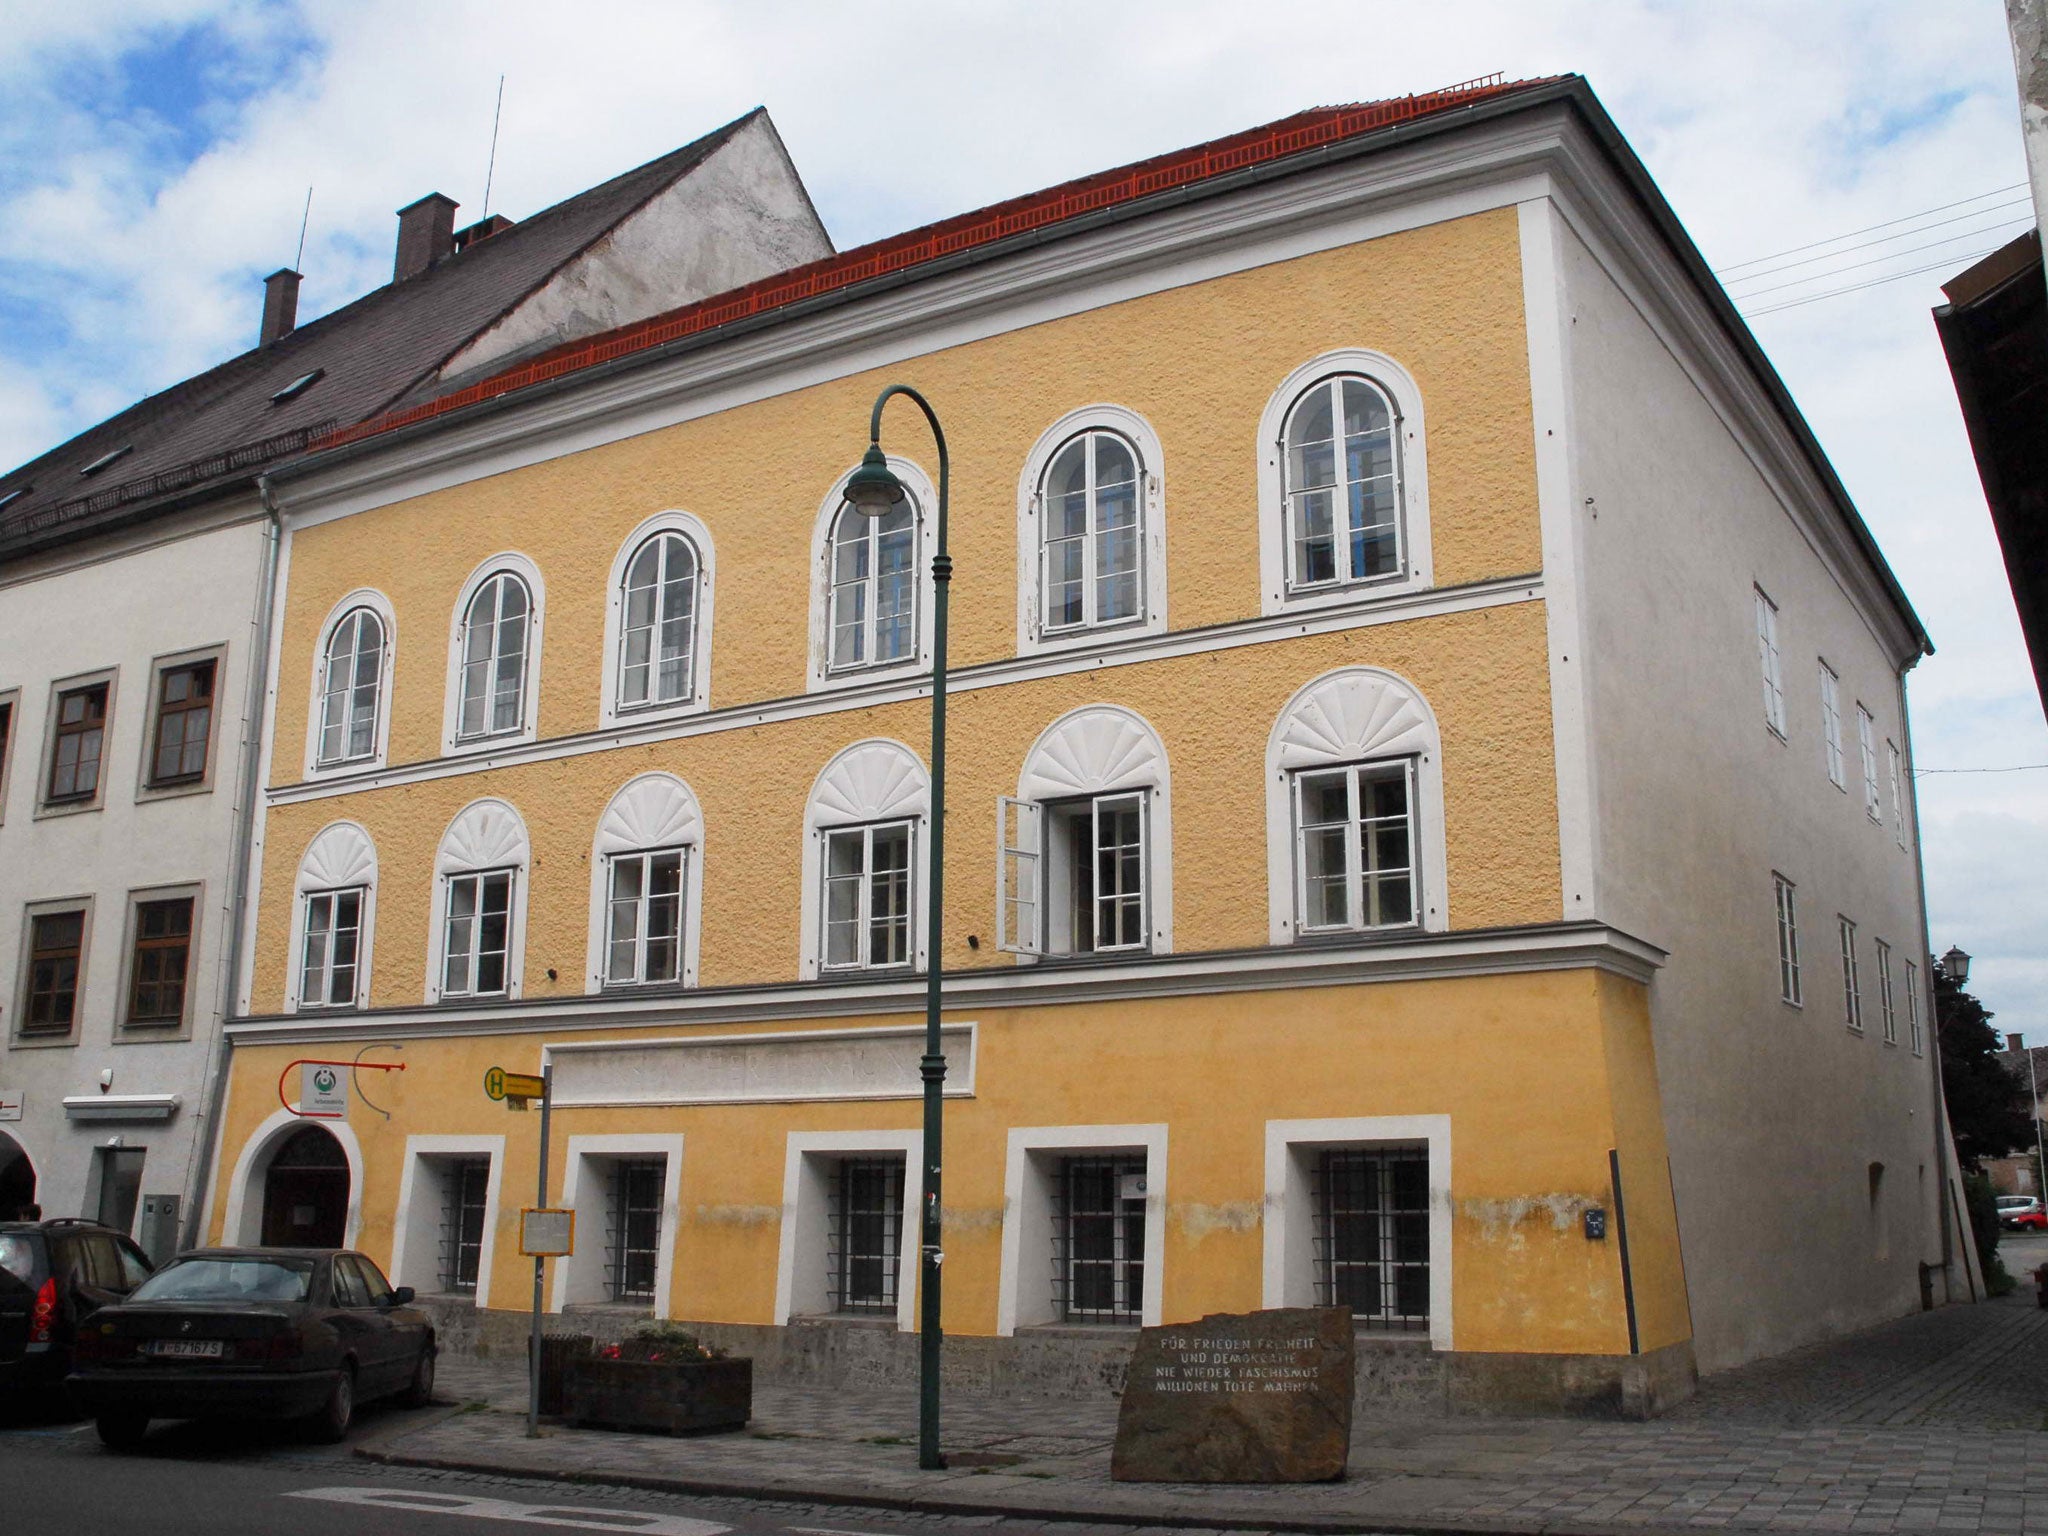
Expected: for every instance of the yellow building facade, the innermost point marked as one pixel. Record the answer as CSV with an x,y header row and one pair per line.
x,y
599,739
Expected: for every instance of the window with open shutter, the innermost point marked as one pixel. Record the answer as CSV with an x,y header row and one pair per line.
x,y
1020,841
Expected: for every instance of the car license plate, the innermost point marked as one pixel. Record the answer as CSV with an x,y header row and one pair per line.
x,y
187,1349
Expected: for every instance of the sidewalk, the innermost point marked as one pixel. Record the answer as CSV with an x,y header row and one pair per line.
x,y
1933,1423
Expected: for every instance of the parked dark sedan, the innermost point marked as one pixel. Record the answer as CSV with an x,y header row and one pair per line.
x,y
253,1332
54,1275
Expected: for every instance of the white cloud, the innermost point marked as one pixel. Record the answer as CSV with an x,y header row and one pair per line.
x,y
1767,125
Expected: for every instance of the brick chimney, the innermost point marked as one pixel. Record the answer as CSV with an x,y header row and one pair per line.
x,y
426,234
2015,1043
280,306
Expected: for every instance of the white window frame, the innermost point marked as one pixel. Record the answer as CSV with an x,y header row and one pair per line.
x,y
508,562
1096,751
820,676
1791,989
341,856
1289,1267
1866,742
802,1284
1887,1014
586,1190
485,836
874,780
1894,764
1355,715
1024,1296
379,606
1831,727
863,920
650,812
1771,661
1276,594
1032,636
1919,1040
1852,986
610,711
416,1234
1354,870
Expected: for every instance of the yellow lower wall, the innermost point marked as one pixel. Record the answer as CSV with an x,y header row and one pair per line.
x,y
1539,1074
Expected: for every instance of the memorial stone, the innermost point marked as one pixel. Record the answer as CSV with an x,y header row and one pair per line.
x,y
1253,1397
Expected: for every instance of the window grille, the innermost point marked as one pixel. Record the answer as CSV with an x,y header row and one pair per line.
x,y
633,1228
462,1223
1099,1240
1372,1235
866,1234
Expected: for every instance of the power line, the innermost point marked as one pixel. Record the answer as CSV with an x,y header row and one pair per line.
x,y
2016,768
1904,218
1864,245
1875,282
1874,261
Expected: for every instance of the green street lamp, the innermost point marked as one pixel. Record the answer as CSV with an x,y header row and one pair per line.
x,y
874,491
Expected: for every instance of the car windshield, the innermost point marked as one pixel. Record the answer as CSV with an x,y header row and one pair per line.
x,y
228,1280
17,1257
2015,1200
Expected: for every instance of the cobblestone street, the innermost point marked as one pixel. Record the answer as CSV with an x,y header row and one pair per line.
x,y
1932,1423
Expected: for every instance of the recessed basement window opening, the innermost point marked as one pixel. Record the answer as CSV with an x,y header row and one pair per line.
x,y
8,498
298,386
105,459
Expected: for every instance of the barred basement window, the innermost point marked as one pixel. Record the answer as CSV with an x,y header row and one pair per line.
x,y
633,1228
1099,1240
866,1234
462,1223
1372,1235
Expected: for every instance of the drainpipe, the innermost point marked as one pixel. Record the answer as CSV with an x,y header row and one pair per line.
x,y
206,1134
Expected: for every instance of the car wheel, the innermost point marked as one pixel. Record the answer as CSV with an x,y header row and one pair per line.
x,y
421,1391
121,1431
332,1421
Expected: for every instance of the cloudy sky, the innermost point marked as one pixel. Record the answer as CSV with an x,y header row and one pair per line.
x,y
155,156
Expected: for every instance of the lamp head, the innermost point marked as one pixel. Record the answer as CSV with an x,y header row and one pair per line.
x,y
1957,963
873,489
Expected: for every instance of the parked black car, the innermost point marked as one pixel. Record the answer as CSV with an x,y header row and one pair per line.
x,y
53,1275
253,1332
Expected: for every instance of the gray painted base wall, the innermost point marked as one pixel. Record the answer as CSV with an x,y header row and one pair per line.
x,y
1402,1376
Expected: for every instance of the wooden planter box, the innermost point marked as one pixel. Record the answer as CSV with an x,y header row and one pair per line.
x,y
672,1396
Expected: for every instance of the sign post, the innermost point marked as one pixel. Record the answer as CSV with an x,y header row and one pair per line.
x,y
542,1232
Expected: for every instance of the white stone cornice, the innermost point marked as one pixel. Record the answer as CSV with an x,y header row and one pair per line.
x,y
1412,957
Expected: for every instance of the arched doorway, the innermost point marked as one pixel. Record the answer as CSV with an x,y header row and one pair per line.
x,y
305,1192
17,1178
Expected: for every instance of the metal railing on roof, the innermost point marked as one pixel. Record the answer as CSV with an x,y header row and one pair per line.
x,y
34,520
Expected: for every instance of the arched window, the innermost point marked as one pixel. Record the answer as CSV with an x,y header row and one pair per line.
x,y
646,884
1343,484
495,640
1092,534
478,940
347,723
873,617
1354,809
865,850
337,900
1342,472
658,623
351,689
1084,848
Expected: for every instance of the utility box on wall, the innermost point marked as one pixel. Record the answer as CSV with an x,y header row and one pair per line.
x,y
158,1233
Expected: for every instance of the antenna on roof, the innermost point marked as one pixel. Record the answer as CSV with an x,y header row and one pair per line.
x,y
492,169
298,261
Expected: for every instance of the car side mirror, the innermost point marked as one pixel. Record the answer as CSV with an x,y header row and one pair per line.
x,y
402,1296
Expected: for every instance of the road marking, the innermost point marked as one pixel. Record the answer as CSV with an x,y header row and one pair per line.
x,y
522,1514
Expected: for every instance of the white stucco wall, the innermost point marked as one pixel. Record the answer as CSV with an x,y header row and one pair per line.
x,y
741,215
120,608
1775,1114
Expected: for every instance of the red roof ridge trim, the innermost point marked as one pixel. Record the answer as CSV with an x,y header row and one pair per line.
x,y
1290,135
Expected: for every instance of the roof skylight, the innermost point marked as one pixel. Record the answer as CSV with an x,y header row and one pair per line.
x,y
105,459
8,498
298,386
